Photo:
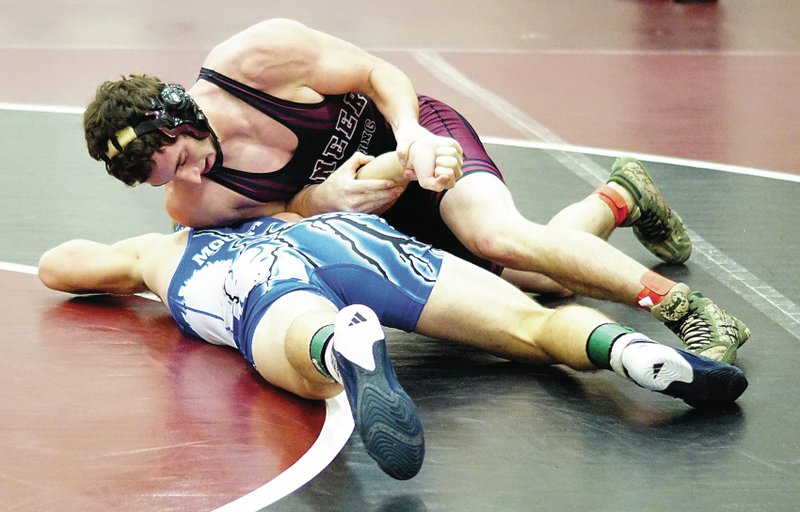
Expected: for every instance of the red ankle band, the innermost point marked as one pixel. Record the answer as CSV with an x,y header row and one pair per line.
x,y
656,287
615,201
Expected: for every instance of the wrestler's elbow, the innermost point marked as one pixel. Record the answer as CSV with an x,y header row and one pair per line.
x,y
195,217
178,212
51,268
78,266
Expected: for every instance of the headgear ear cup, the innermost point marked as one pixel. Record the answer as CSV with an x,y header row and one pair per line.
x,y
179,114
174,113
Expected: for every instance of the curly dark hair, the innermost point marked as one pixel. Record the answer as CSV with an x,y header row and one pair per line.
x,y
117,104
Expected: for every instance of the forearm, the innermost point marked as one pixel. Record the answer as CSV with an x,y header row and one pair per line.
x,y
83,266
188,207
396,98
308,202
434,160
272,209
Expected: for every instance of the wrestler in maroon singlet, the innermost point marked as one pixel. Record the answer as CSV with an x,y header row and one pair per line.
x,y
332,130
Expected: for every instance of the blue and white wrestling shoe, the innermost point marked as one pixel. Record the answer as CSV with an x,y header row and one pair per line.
x,y
384,415
699,381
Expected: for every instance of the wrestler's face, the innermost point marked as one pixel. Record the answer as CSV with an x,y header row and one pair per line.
x,y
186,160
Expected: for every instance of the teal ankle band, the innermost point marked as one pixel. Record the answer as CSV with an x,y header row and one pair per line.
x,y
598,346
316,348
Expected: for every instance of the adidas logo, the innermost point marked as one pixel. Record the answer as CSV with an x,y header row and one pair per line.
x,y
657,369
357,319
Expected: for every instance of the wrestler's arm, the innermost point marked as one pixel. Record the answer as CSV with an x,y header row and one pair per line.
x,y
292,61
337,67
207,205
288,59
361,184
84,266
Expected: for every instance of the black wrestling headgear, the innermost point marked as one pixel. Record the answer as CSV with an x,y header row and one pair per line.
x,y
174,113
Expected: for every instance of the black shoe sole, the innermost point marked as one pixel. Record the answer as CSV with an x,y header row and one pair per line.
x,y
385,416
711,389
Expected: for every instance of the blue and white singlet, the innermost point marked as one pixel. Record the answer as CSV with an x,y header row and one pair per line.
x,y
228,277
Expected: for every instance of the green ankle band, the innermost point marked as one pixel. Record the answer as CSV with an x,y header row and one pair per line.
x,y
598,346
317,348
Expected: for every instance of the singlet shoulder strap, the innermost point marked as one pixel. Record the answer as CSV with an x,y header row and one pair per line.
x,y
292,114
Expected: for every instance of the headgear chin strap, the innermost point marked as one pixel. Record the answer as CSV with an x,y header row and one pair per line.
x,y
174,113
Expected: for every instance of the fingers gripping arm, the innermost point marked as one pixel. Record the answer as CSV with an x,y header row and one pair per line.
x,y
384,167
347,189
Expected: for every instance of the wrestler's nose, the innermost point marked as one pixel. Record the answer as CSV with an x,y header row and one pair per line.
x,y
189,174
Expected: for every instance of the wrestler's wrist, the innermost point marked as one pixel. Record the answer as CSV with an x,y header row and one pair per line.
x,y
408,132
309,201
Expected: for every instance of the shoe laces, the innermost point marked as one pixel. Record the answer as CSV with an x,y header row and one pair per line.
x,y
695,332
705,327
652,227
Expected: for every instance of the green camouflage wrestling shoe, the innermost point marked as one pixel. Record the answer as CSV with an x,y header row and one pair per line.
x,y
655,225
705,328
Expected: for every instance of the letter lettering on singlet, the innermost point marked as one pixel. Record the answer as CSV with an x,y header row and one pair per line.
x,y
325,166
206,252
346,127
322,170
347,124
357,102
335,148
366,137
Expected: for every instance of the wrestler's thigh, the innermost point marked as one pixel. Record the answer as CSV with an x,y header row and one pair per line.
x,y
280,352
480,200
473,306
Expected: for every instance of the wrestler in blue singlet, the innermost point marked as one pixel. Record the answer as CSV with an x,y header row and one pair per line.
x,y
332,130
228,277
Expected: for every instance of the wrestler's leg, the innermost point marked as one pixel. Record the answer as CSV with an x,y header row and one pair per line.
x,y
481,213
304,345
281,344
571,251
473,306
631,198
535,282
591,214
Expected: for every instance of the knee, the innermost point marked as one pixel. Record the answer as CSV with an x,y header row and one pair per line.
x,y
506,245
316,390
